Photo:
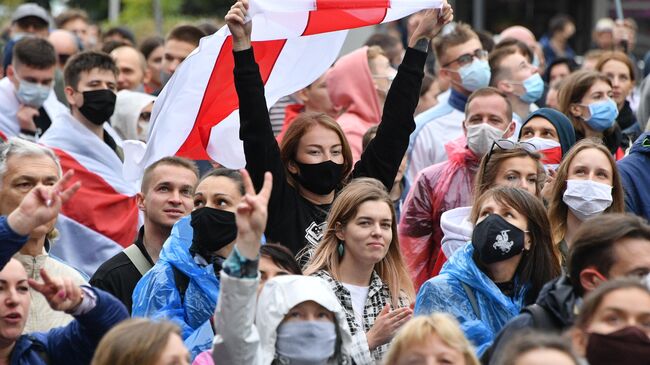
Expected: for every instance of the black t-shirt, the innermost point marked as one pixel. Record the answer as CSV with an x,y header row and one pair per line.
x,y
119,276
293,221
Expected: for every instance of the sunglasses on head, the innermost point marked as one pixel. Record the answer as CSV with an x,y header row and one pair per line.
x,y
506,145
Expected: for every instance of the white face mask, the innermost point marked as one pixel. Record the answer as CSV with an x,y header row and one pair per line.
x,y
586,198
481,136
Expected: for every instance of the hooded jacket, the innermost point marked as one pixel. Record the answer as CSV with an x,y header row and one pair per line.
x,y
457,229
157,295
558,300
635,177
352,89
438,188
445,293
128,106
246,332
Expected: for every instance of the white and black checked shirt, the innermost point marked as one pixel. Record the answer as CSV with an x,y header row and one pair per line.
x,y
378,297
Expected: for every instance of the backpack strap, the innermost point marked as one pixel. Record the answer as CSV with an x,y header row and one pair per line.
x,y
472,299
542,319
182,282
137,259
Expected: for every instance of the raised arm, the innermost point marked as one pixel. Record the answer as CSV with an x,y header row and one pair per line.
x,y
41,205
260,147
95,312
382,157
236,338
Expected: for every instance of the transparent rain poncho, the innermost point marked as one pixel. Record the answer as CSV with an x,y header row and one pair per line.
x,y
157,296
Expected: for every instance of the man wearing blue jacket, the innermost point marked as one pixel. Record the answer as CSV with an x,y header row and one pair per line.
x,y
635,176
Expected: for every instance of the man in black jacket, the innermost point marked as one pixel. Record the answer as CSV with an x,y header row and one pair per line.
x,y
166,196
606,247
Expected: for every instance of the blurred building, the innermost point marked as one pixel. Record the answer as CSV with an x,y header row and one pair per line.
x,y
495,15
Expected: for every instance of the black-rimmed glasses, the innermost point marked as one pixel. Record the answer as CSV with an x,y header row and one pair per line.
x,y
467,58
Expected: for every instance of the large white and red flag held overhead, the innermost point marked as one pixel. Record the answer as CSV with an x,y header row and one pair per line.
x,y
295,42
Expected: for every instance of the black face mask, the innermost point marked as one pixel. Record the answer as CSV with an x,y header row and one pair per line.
x,y
213,229
629,346
98,105
319,178
494,239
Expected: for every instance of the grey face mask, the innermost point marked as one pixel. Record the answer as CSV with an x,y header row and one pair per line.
x,y
306,342
32,94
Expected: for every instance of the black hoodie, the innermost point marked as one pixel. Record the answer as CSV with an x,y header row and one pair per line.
x,y
557,300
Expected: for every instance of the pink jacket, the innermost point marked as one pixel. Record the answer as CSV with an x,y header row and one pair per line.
x,y
352,90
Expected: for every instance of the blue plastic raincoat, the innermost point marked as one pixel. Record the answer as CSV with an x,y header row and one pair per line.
x,y
444,293
156,295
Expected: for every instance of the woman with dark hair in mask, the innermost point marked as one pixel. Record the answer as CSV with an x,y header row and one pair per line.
x,y
507,164
503,268
587,183
183,286
613,326
314,160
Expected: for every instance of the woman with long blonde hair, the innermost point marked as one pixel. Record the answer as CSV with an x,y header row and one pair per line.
x,y
359,256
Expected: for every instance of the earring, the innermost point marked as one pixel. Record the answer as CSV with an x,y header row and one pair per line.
x,y
341,249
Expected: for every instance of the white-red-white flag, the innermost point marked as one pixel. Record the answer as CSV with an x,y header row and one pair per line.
x,y
102,217
295,42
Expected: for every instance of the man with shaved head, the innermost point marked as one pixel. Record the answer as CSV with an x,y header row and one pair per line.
x,y
523,34
132,66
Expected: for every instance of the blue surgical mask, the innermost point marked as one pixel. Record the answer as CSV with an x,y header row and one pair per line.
x,y
476,75
306,342
32,94
603,115
534,86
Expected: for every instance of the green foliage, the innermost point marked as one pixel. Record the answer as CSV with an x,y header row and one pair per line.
x,y
97,10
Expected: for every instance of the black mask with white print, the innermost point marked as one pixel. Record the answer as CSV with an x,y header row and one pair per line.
x,y
494,239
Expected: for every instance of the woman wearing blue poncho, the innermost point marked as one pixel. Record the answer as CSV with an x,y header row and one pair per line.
x,y
182,286
488,281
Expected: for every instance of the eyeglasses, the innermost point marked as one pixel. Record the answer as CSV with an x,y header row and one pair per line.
x,y
506,145
467,58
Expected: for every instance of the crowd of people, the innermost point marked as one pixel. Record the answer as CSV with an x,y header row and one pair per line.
x,y
440,195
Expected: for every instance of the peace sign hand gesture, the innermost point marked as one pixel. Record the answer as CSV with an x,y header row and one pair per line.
x,y
251,215
61,293
41,205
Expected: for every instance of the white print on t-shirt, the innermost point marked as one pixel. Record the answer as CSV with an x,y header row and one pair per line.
x,y
314,233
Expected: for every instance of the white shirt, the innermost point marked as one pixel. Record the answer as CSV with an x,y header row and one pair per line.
x,y
434,128
359,295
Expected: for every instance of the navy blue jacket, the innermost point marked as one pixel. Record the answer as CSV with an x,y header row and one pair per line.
x,y
75,343
10,242
635,176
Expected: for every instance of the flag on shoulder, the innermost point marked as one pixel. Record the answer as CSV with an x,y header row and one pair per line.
x,y
196,115
102,217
